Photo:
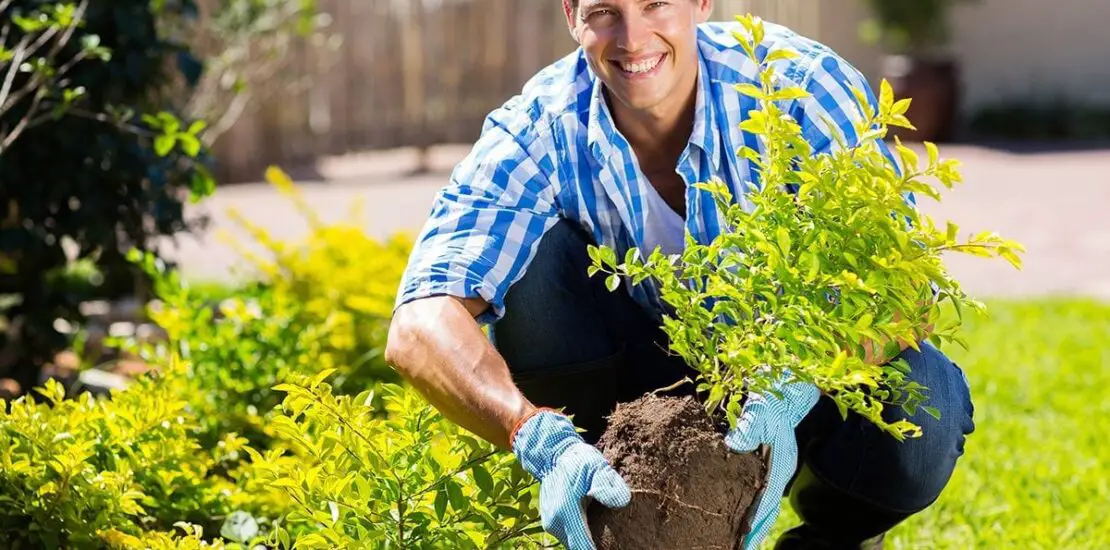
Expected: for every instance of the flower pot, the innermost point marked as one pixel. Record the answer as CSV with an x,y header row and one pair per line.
x,y
934,87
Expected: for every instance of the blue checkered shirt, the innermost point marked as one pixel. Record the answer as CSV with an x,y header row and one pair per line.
x,y
553,152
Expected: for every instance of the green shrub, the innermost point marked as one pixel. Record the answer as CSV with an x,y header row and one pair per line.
x,y
234,351
74,468
340,277
321,303
409,479
101,163
193,539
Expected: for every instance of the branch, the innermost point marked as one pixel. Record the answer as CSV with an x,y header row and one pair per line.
x,y
24,122
17,60
62,41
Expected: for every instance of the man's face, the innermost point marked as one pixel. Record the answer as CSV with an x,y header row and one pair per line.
x,y
641,49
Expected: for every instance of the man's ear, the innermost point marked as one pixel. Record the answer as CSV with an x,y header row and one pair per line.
x,y
705,10
572,19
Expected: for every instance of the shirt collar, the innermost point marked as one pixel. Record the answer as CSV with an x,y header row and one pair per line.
x,y
602,133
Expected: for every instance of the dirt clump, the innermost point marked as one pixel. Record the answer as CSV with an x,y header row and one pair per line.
x,y
688,490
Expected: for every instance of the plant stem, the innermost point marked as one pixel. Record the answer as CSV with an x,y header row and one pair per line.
x,y
457,471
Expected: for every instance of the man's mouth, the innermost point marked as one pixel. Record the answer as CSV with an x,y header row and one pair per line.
x,y
640,67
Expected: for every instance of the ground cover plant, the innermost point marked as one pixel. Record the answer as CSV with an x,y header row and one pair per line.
x,y
260,424
830,263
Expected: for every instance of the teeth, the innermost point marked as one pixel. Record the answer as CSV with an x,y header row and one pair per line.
x,y
642,66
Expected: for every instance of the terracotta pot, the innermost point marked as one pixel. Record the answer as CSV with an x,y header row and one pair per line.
x,y
934,86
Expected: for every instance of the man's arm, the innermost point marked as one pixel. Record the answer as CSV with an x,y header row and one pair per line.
x,y
437,345
482,230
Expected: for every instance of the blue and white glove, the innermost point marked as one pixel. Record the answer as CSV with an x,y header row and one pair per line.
x,y
767,419
569,471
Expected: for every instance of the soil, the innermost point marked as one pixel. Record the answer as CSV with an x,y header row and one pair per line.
x,y
688,490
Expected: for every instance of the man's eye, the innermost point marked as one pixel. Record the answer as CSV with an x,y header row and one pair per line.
x,y
601,13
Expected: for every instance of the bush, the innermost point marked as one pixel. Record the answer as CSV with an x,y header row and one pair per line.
x,y
101,165
324,470
74,468
320,304
343,279
409,479
235,351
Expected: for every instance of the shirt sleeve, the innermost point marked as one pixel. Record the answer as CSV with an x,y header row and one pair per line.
x,y
485,224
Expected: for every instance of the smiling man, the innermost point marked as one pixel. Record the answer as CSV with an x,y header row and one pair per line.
x,y
603,147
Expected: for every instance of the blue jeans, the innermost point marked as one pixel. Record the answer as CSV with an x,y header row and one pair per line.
x,y
570,342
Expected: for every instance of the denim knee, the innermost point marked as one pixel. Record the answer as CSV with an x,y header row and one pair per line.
x,y
910,475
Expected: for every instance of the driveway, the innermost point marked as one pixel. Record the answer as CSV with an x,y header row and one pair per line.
x,y
1055,203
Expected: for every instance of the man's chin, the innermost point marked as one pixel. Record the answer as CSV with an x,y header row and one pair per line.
x,y
635,101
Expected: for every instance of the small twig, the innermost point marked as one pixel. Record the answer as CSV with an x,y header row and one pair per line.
x,y
13,69
464,467
676,385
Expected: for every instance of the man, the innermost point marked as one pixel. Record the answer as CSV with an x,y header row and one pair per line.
x,y
602,147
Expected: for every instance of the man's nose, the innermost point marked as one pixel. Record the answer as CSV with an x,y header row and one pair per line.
x,y
635,33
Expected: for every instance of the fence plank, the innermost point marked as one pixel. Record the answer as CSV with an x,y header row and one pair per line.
x,y
419,72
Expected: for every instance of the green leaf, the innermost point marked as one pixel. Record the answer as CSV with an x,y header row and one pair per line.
x,y
440,504
612,282
163,144
783,237
630,255
750,90
483,479
792,92
455,495
932,411
189,144
608,257
595,254
323,375
886,96
934,153
864,322
312,540
901,106
814,266
910,161
780,55
953,231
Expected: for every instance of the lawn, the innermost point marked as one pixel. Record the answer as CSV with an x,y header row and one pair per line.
x,y
1034,472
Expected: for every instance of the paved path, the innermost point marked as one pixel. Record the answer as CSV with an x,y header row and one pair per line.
x,y
1057,204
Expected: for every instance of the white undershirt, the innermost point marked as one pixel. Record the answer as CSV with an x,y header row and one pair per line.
x,y
662,225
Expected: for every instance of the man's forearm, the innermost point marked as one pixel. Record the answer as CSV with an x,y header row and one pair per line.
x,y
437,346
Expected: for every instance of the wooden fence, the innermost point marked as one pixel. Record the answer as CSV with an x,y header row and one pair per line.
x,y
415,73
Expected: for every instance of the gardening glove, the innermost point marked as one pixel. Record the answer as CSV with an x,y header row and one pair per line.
x,y
569,470
770,420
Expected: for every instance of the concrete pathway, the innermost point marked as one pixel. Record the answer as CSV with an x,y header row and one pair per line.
x,y
1056,203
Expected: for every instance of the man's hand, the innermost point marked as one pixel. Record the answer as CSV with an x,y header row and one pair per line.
x,y
570,471
770,420
875,353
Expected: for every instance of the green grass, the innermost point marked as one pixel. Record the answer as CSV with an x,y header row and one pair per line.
x,y
1035,471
